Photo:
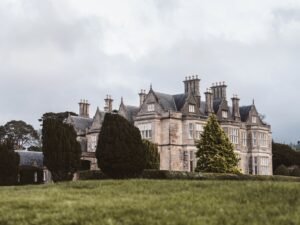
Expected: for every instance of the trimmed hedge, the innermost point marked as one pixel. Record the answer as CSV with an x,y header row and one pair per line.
x,y
181,175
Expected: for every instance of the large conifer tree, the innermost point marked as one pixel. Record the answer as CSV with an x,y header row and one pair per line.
x,y
9,163
215,151
61,150
120,150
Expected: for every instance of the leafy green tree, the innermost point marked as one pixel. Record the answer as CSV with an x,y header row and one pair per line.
x,y
152,155
61,150
9,163
120,150
282,170
215,151
21,133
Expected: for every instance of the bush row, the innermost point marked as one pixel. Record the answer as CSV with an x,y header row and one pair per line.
x,y
180,175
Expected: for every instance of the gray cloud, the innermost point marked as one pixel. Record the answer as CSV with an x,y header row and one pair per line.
x,y
55,53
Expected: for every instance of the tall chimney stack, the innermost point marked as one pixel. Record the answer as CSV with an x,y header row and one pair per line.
x,y
108,104
192,85
208,102
236,108
84,108
142,95
219,90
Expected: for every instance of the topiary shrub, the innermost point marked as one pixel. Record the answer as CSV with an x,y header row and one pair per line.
x,y
296,172
152,155
9,164
282,170
120,150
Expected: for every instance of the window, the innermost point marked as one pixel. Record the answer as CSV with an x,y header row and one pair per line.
x,y
254,120
198,132
254,142
151,107
191,131
92,144
191,108
262,139
264,166
255,165
244,138
35,177
224,114
146,130
234,135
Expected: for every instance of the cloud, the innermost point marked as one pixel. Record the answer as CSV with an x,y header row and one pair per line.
x,y
54,53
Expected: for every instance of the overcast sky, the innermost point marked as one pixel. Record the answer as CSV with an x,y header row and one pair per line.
x,y
55,52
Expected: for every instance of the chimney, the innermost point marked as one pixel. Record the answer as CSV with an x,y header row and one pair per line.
x,y
108,104
192,85
208,102
236,108
142,95
84,108
219,90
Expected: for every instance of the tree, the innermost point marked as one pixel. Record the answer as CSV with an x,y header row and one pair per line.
x,y
284,155
282,170
61,150
120,150
152,155
9,163
215,151
21,133
296,172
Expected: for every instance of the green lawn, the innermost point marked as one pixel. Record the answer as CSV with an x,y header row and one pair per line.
x,y
152,202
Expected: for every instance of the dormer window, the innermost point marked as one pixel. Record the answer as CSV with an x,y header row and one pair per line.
x,y
191,108
254,119
151,107
224,114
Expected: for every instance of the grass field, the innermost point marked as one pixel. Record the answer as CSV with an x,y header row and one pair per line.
x,y
152,202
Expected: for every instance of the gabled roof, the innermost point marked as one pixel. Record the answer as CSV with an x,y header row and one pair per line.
x,y
179,100
244,112
166,101
29,158
97,120
216,104
81,123
131,111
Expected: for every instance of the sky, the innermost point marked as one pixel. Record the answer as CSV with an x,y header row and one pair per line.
x,y
53,53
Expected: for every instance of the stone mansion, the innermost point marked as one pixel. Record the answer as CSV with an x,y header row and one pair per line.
x,y
174,122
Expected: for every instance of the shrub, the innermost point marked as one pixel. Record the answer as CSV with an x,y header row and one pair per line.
x,y
9,164
152,155
282,170
296,172
120,150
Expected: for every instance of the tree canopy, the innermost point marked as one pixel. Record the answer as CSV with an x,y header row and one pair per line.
x,y
284,155
61,150
120,150
9,163
215,151
20,133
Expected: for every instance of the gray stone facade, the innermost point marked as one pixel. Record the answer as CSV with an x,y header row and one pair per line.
x,y
174,122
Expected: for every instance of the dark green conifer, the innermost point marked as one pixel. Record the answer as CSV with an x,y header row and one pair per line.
x,y
152,155
215,151
9,163
120,150
61,150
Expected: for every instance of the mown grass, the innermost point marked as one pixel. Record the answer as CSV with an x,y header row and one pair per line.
x,y
144,202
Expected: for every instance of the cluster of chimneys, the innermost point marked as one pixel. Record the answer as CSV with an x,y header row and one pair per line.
x,y
191,86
